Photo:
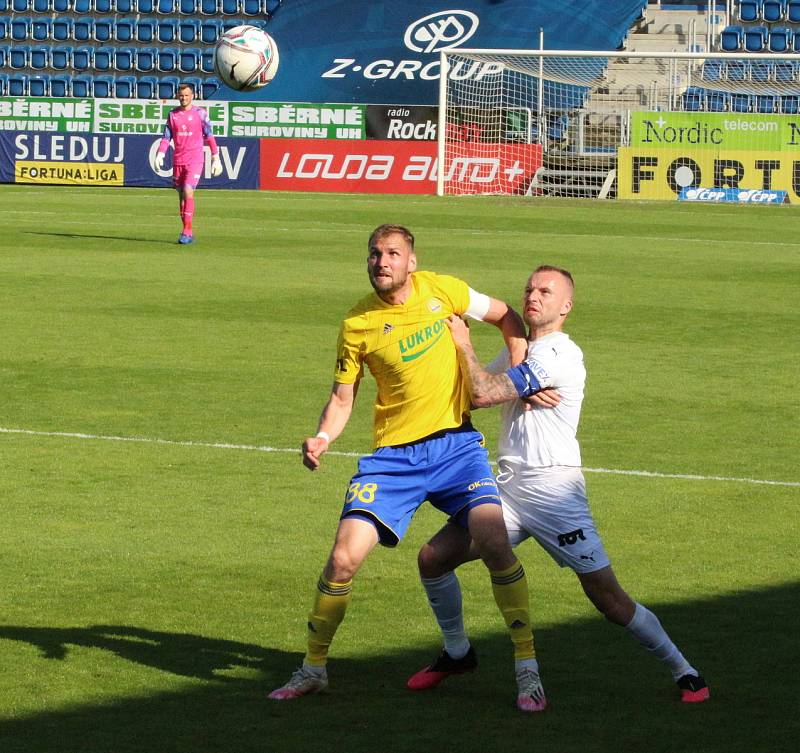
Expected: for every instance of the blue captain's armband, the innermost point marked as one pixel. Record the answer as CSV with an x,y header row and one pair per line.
x,y
524,380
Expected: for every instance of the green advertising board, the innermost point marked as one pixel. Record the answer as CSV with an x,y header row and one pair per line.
x,y
266,120
715,130
43,114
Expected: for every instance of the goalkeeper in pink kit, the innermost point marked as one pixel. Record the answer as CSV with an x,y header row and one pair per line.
x,y
189,128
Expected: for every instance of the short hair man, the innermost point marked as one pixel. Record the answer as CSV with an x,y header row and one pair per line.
x,y
426,447
540,479
189,128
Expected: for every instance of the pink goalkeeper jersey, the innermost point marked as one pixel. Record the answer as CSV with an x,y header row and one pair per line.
x,y
188,130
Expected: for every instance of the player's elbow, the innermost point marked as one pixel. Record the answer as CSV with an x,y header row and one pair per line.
x,y
481,400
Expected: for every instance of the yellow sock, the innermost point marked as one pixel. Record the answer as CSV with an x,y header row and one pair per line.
x,y
330,604
510,588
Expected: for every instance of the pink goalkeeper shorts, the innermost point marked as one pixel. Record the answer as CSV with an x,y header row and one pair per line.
x,y
187,176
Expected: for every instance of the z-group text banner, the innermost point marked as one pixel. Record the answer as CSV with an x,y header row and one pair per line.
x,y
110,160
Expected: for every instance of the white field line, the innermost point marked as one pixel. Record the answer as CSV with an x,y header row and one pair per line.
x,y
296,450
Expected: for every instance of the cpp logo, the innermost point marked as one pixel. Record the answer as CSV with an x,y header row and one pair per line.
x,y
447,28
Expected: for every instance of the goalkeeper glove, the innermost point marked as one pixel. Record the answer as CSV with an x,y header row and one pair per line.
x,y
160,161
216,166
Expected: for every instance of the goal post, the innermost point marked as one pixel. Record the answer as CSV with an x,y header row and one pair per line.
x,y
635,125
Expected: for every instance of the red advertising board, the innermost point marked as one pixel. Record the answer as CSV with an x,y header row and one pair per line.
x,y
401,167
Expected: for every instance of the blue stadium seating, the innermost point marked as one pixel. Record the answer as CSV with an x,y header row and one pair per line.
x,y
232,23
145,6
104,58
39,85
209,7
750,10
39,57
125,58
717,101
147,87
4,53
796,45
762,71
732,38
5,27
207,60
124,6
168,87
18,85
785,71
63,29
103,29
42,6
146,59
196,82
146,30
168,30
692,99
793,12
81,6
83,29
61,85
210,30
103,85
189,30
21,28
125,87
781,39
740,102
83,58
714,70
62,6
82,85
252,7
19,56
3,6
188,7
20,6
766,103
168,59
738,70
61,57
165,7
103,6
790,104
230,7
189,59
773,11
755,38
41,28
3,84
125,29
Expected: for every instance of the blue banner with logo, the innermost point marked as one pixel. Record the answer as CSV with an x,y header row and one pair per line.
x,y
388,52
111,160
734,195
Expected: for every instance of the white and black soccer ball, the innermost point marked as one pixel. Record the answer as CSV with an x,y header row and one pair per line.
x,y
246,58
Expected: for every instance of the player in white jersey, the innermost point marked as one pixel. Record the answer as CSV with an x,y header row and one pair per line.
x,y
541,486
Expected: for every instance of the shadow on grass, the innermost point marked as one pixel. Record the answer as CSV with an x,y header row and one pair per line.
x,y
606,693
100,237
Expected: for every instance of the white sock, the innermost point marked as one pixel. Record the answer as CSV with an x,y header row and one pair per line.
x,y
444,596
645,627
532,664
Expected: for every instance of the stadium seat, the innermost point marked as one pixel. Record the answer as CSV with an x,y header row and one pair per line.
x,y
230,7
124,6
41,28
740,102
168,59
5,27
755,38
3,84
62,29
5,51
790,104
125,58
39,58
19,56
83,29
189,59
796,44
168,87
766,103
147,87
103,6
762,71
83,58
714,70
145,6
41,6
168,30
146,59
20,6
21,28
61,85
18,85
62,6
146,30
210,30
39,85
717,101
82,85
252,7
189,30
103,85
210,87
773,11
125,87
738,70
692,99
4,6
81,6
103,29
209,7
731,38
188,7
207,60
165,7
793,12
125,29
785,71
196,83
104,58
781,39
61,57
750,10
232,23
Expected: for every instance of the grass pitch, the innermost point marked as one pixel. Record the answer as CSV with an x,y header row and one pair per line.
x,y
160,539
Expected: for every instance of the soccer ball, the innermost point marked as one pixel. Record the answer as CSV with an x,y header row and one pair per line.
x,y
246,58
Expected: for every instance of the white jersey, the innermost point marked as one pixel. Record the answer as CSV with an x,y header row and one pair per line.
x,y
545,437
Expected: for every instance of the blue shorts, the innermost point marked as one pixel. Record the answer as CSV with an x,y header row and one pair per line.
x,y
450,469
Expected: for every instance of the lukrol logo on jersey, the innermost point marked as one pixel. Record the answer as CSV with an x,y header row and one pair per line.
x,y
421,341
427,35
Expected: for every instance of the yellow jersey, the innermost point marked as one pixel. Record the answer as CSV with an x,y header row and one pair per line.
x,y
410,353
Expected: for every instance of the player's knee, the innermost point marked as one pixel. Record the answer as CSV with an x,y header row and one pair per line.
x,y
430,563
341,566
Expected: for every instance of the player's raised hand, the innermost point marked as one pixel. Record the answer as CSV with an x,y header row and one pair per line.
x,y
313,448
459,329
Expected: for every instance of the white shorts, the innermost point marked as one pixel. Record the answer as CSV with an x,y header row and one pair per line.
x,y
551,506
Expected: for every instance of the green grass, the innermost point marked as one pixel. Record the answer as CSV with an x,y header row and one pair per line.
x,y
152,592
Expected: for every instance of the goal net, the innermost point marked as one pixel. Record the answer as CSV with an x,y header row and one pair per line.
x,y
620,125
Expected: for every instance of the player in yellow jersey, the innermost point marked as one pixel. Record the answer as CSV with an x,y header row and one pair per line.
x,y
426,448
